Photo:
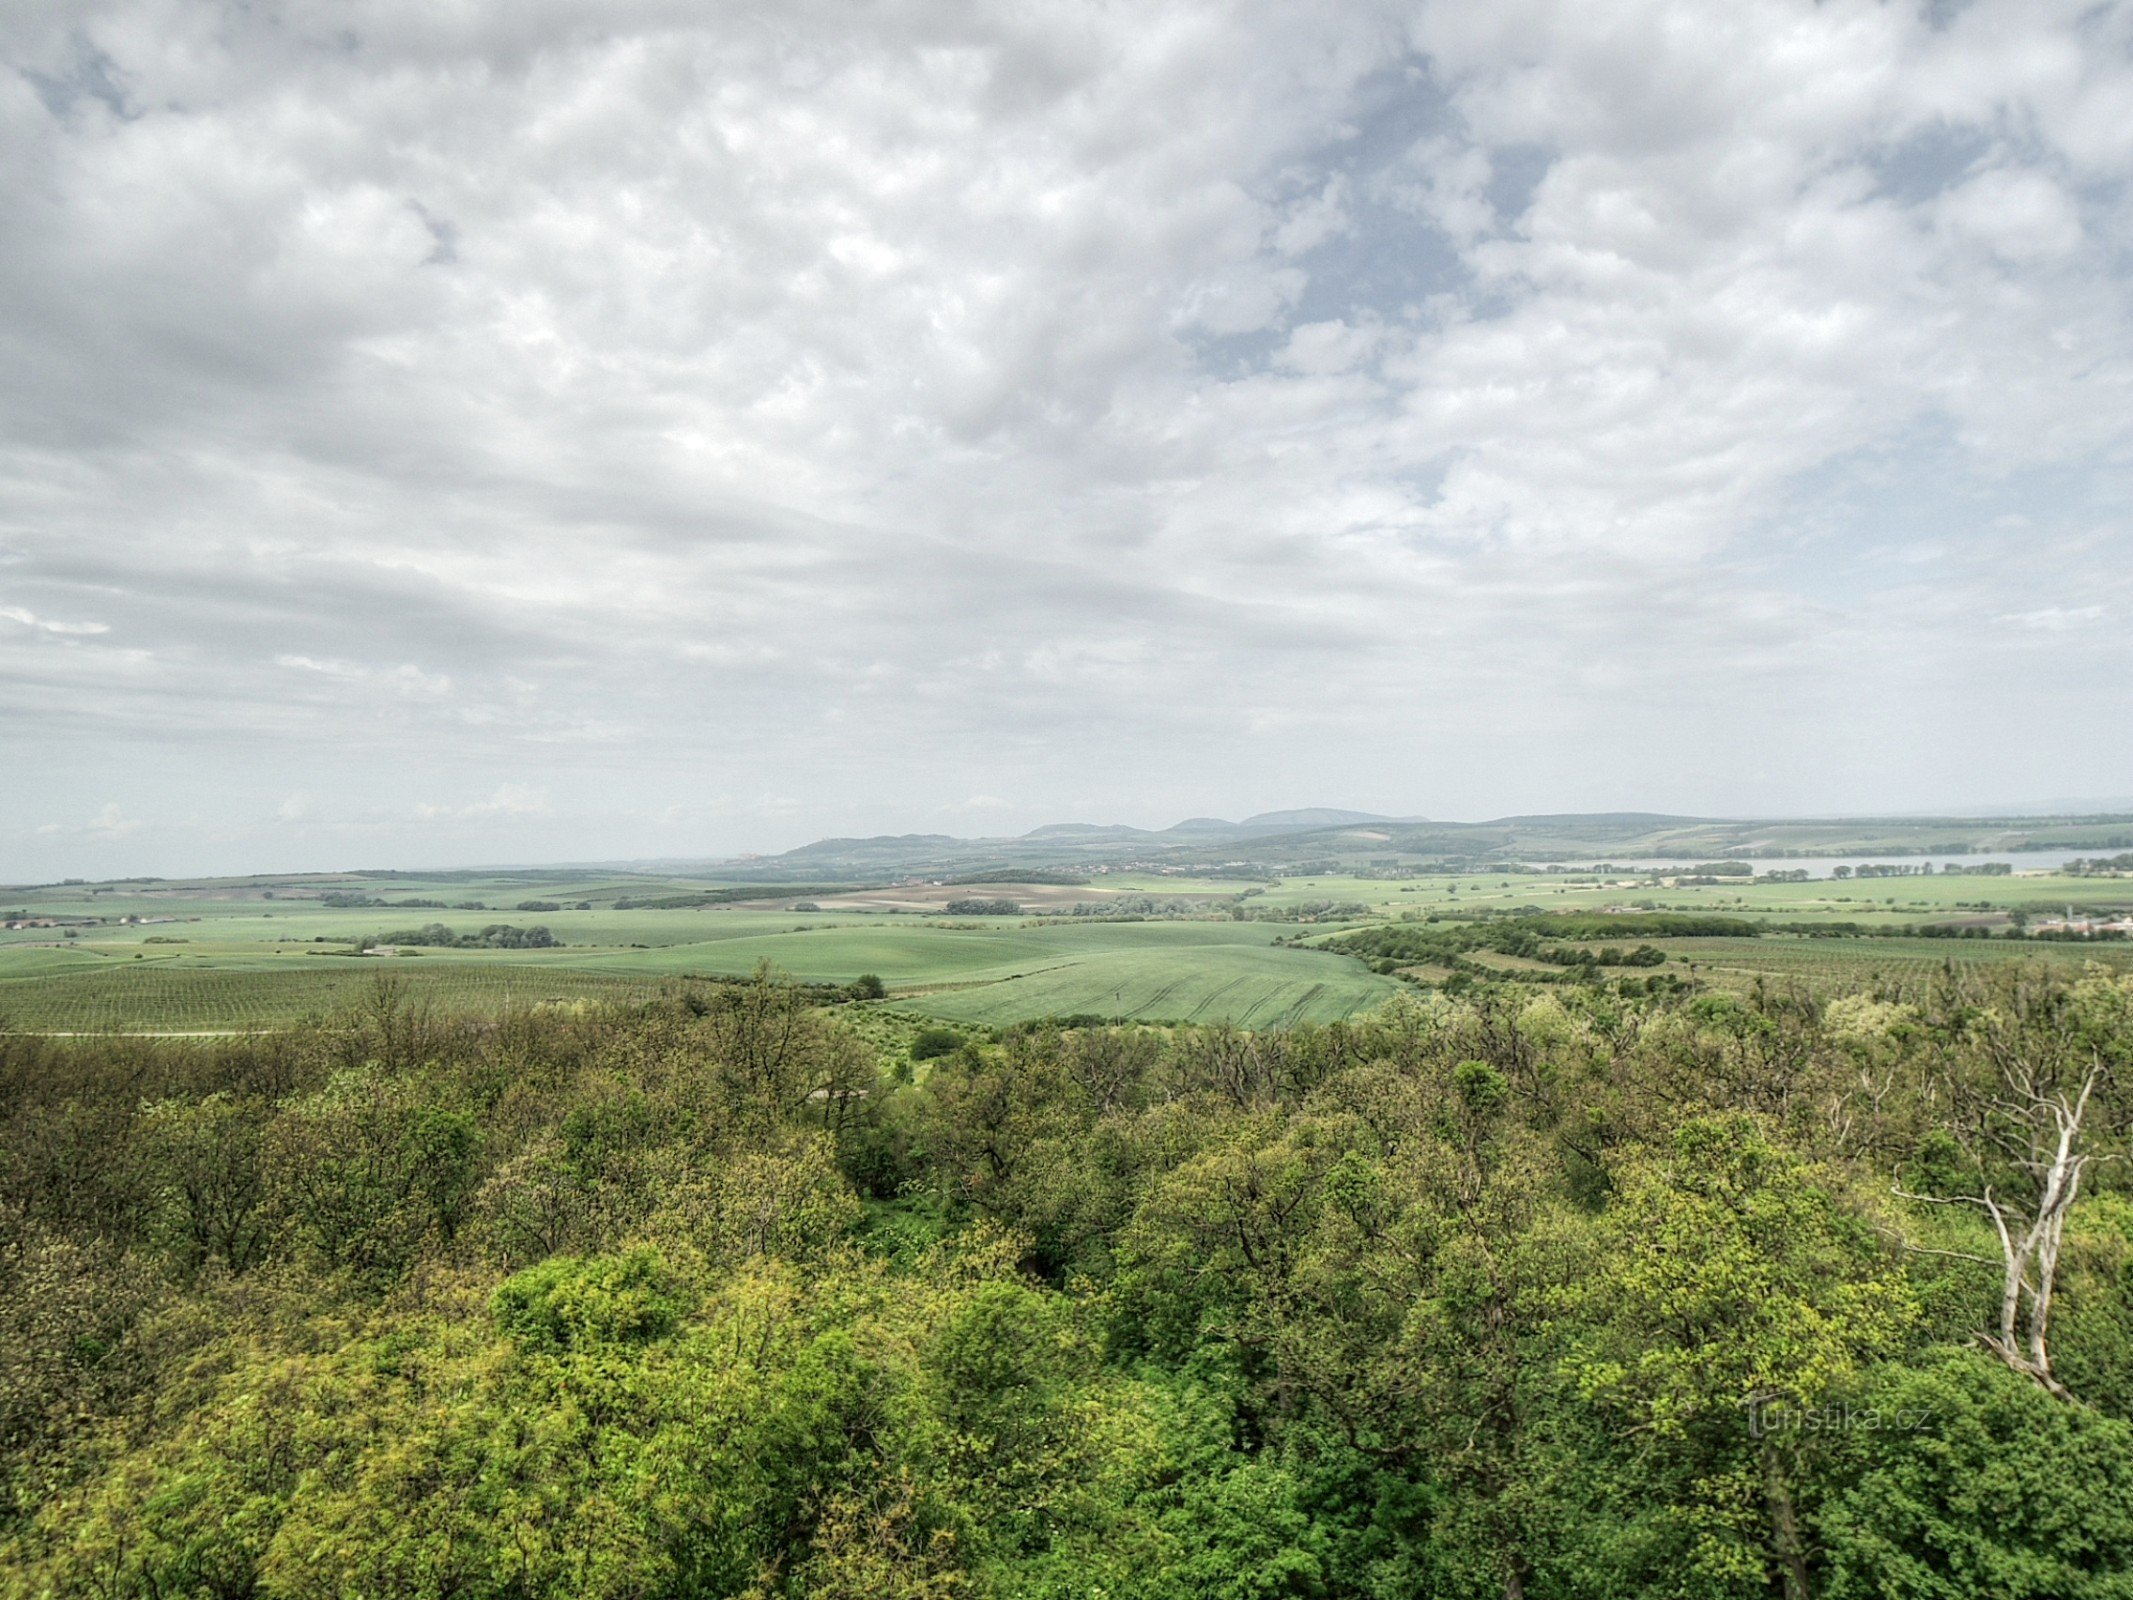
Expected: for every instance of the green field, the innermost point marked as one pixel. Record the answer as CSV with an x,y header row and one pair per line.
x,y
1818,964
1253,986
200,997
237,954
991,975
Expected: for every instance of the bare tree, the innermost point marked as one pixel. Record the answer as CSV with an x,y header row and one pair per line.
x,y
2026,1095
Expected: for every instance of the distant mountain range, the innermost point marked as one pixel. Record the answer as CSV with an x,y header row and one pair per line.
x,y
1327,838
1331,839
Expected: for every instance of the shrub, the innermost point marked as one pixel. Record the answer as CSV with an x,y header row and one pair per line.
x,y
932,1043
571,1303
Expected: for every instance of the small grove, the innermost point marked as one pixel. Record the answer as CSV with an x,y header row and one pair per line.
x,y
1448,942
1523,1292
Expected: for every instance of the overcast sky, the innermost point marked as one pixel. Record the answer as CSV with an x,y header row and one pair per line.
x,y
465,432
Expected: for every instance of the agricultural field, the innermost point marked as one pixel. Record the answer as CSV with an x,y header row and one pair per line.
x,y
1253,985
1824,965
197,997
237,954
224,958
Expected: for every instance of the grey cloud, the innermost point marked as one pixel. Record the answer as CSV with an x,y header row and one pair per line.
x,y
1498,407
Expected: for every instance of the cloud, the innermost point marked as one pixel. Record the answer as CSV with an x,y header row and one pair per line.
x,y
1508,407
405,679
29,619
509,800
109,824
2056,619
106,826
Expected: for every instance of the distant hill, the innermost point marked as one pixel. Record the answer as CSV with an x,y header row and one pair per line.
x,y
914,839
1319,817
1327,838
1307,840
887,844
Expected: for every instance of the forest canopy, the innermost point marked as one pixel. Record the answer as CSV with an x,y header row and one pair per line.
x,y
1563,1291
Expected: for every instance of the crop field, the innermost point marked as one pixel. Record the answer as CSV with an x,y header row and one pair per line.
x,y
1254,986
262,969
1166,972
236,954
1837,963
1870,901
902,955
198,997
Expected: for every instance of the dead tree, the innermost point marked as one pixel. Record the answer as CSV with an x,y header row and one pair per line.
x,y
2026,1119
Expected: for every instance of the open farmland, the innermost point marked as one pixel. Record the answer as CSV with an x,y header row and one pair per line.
x,y
200,997
1255,986
226,958
1822,965
990,974
234,954
902,954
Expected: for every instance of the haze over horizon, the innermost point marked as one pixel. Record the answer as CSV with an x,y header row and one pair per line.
x,y
437,436
1175,832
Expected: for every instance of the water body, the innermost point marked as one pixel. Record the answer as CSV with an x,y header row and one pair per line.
x,y
1824,866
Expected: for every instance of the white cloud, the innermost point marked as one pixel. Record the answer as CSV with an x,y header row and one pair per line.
x,y
406,679
2022,216
106,826
109,824
509,800
30,619
1502,406
1324,348
2056,619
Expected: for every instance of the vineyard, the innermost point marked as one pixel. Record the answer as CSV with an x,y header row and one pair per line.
x,y
207,999
1824,964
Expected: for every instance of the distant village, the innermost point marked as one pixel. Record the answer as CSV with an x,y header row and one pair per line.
x,y
2094,927
22,920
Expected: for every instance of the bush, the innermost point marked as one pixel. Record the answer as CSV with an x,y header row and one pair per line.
x,y
567,1303
496,936
932,1043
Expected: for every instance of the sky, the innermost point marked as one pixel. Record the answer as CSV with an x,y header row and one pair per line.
x,y
443,432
